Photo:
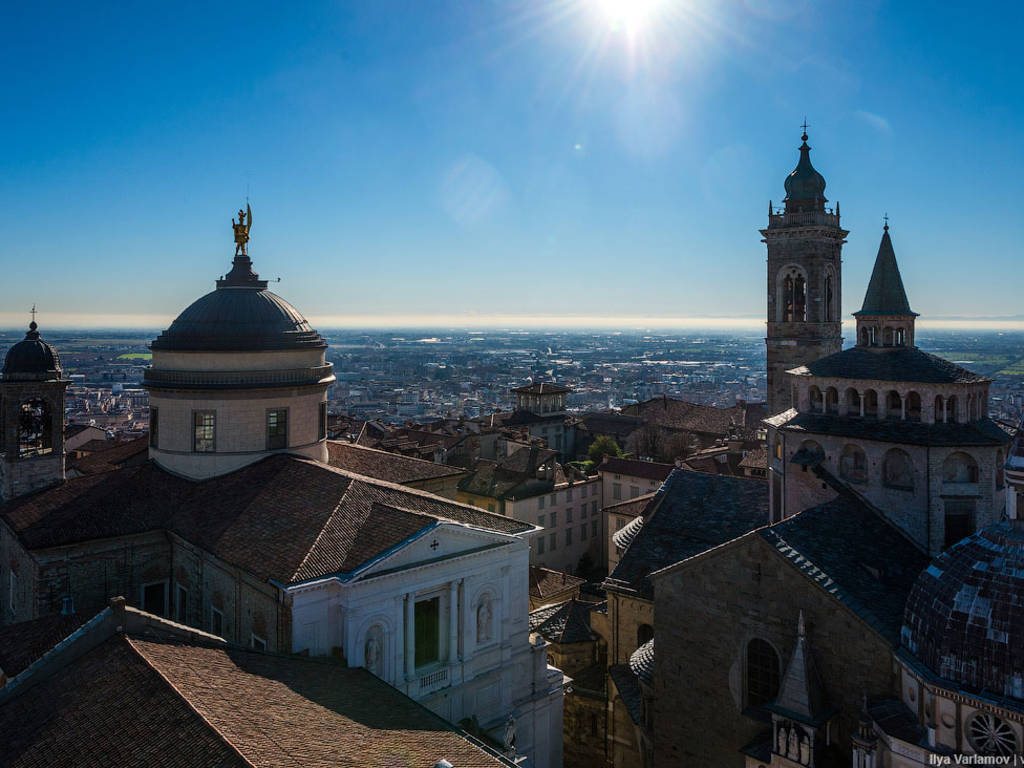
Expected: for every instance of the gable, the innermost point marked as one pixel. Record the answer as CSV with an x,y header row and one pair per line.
x,y
452,540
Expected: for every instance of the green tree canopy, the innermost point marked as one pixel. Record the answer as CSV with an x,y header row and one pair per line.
x,y
603,445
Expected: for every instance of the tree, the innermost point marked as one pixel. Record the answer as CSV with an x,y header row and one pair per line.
x,y
603,445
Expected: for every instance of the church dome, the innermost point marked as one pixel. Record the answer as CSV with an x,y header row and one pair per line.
x,y
965,615
804,184
641,663
31,359
240,315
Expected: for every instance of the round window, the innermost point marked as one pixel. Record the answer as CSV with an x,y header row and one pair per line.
x,y
990,735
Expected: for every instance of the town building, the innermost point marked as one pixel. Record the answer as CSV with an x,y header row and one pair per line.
x,y
541,409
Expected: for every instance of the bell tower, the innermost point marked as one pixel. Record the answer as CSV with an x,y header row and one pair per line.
x,y
31,417
805,245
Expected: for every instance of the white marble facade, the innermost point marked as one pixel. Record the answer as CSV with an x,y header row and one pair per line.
x,y
463,593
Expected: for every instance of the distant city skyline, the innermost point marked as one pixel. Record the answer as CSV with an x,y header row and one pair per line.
x,y
564,163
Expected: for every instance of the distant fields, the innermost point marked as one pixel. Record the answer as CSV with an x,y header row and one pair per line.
x,y
136,356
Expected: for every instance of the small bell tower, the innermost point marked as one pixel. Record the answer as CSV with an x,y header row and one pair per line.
x,y
31,417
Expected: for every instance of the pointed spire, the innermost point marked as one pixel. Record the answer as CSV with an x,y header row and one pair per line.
x,y
801,695
886,294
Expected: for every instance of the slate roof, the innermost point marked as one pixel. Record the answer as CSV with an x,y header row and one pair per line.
x,y
691,513
513,476
649,470
321,520
545,582
982,432
628,686
641,662
23,643
567,622
855,555
135,702
383,465
885,294
904,364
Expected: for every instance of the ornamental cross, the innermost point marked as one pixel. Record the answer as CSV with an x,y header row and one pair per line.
x,y
886,220
33,313
804,126
434,545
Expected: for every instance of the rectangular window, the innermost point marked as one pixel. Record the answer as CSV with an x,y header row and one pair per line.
x,y
553,542
554,499
428,631
277,429
216,622
181,605
205,431
583,492
593,527
568,514
554,518
540,545
322,431
257,643
568,537
540,502
568,494
617,491
583,532
634,491
154,598
619,523
154,427
541,519
593,507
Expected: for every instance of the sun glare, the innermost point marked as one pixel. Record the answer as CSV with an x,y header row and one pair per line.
x,y
629,16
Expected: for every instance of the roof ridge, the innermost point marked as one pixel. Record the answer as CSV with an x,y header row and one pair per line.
x,y
145,660
322,533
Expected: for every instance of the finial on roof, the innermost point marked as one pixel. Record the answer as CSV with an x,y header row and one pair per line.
x,y
32,325
885,219
800,625
803,137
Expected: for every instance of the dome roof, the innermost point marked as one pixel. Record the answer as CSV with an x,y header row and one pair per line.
x,y
965,615
805,185
31,359
641,663
623,537
240,315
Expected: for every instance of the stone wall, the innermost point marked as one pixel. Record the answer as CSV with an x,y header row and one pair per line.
x,y
708,610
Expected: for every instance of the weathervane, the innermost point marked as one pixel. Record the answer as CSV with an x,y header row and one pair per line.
x,y
242,230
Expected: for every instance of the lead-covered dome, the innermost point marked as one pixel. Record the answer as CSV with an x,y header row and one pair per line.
x,y
31,359
965,615
805,187
240,315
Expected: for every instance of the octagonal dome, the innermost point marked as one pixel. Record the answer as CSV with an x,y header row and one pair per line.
x,y
31,359
965,614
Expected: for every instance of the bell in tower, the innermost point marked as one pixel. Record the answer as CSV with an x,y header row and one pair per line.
x,y
805,244
31,417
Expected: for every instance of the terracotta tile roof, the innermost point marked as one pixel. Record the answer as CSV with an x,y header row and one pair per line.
x,y
383,465
756,459
322,520
133,701
633,507
649,470
690,514
694,417
109,456
23,643
545,582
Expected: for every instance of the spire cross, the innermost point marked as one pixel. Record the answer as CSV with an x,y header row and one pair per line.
x,y
804,126
33,313
886,220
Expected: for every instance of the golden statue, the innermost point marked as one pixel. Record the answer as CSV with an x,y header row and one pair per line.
x,y
242,230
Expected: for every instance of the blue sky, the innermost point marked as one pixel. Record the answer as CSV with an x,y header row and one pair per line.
x,y
495,161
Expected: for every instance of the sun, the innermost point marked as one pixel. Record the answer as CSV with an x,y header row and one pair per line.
x,y
628,16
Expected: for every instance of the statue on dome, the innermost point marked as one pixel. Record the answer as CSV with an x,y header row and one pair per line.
x,y
242,230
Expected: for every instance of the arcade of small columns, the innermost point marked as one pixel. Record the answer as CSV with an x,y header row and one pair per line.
x,y
933,404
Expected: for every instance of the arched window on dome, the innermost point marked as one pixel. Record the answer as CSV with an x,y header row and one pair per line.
x,y
871,403
832,401
853,464
816,399
763,673
959,467
35,428
952,417
893,405
898,470
852,400
913,406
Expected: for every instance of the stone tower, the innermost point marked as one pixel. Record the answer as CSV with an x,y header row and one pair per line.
x,y
805,244
31,417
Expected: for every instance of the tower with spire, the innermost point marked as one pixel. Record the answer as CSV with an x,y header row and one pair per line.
x,y
805,244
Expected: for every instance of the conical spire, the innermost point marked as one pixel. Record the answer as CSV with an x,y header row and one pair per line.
x,y
885,294
801,696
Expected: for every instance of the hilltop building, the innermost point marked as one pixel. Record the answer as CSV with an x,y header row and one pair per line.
x,y
239,526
